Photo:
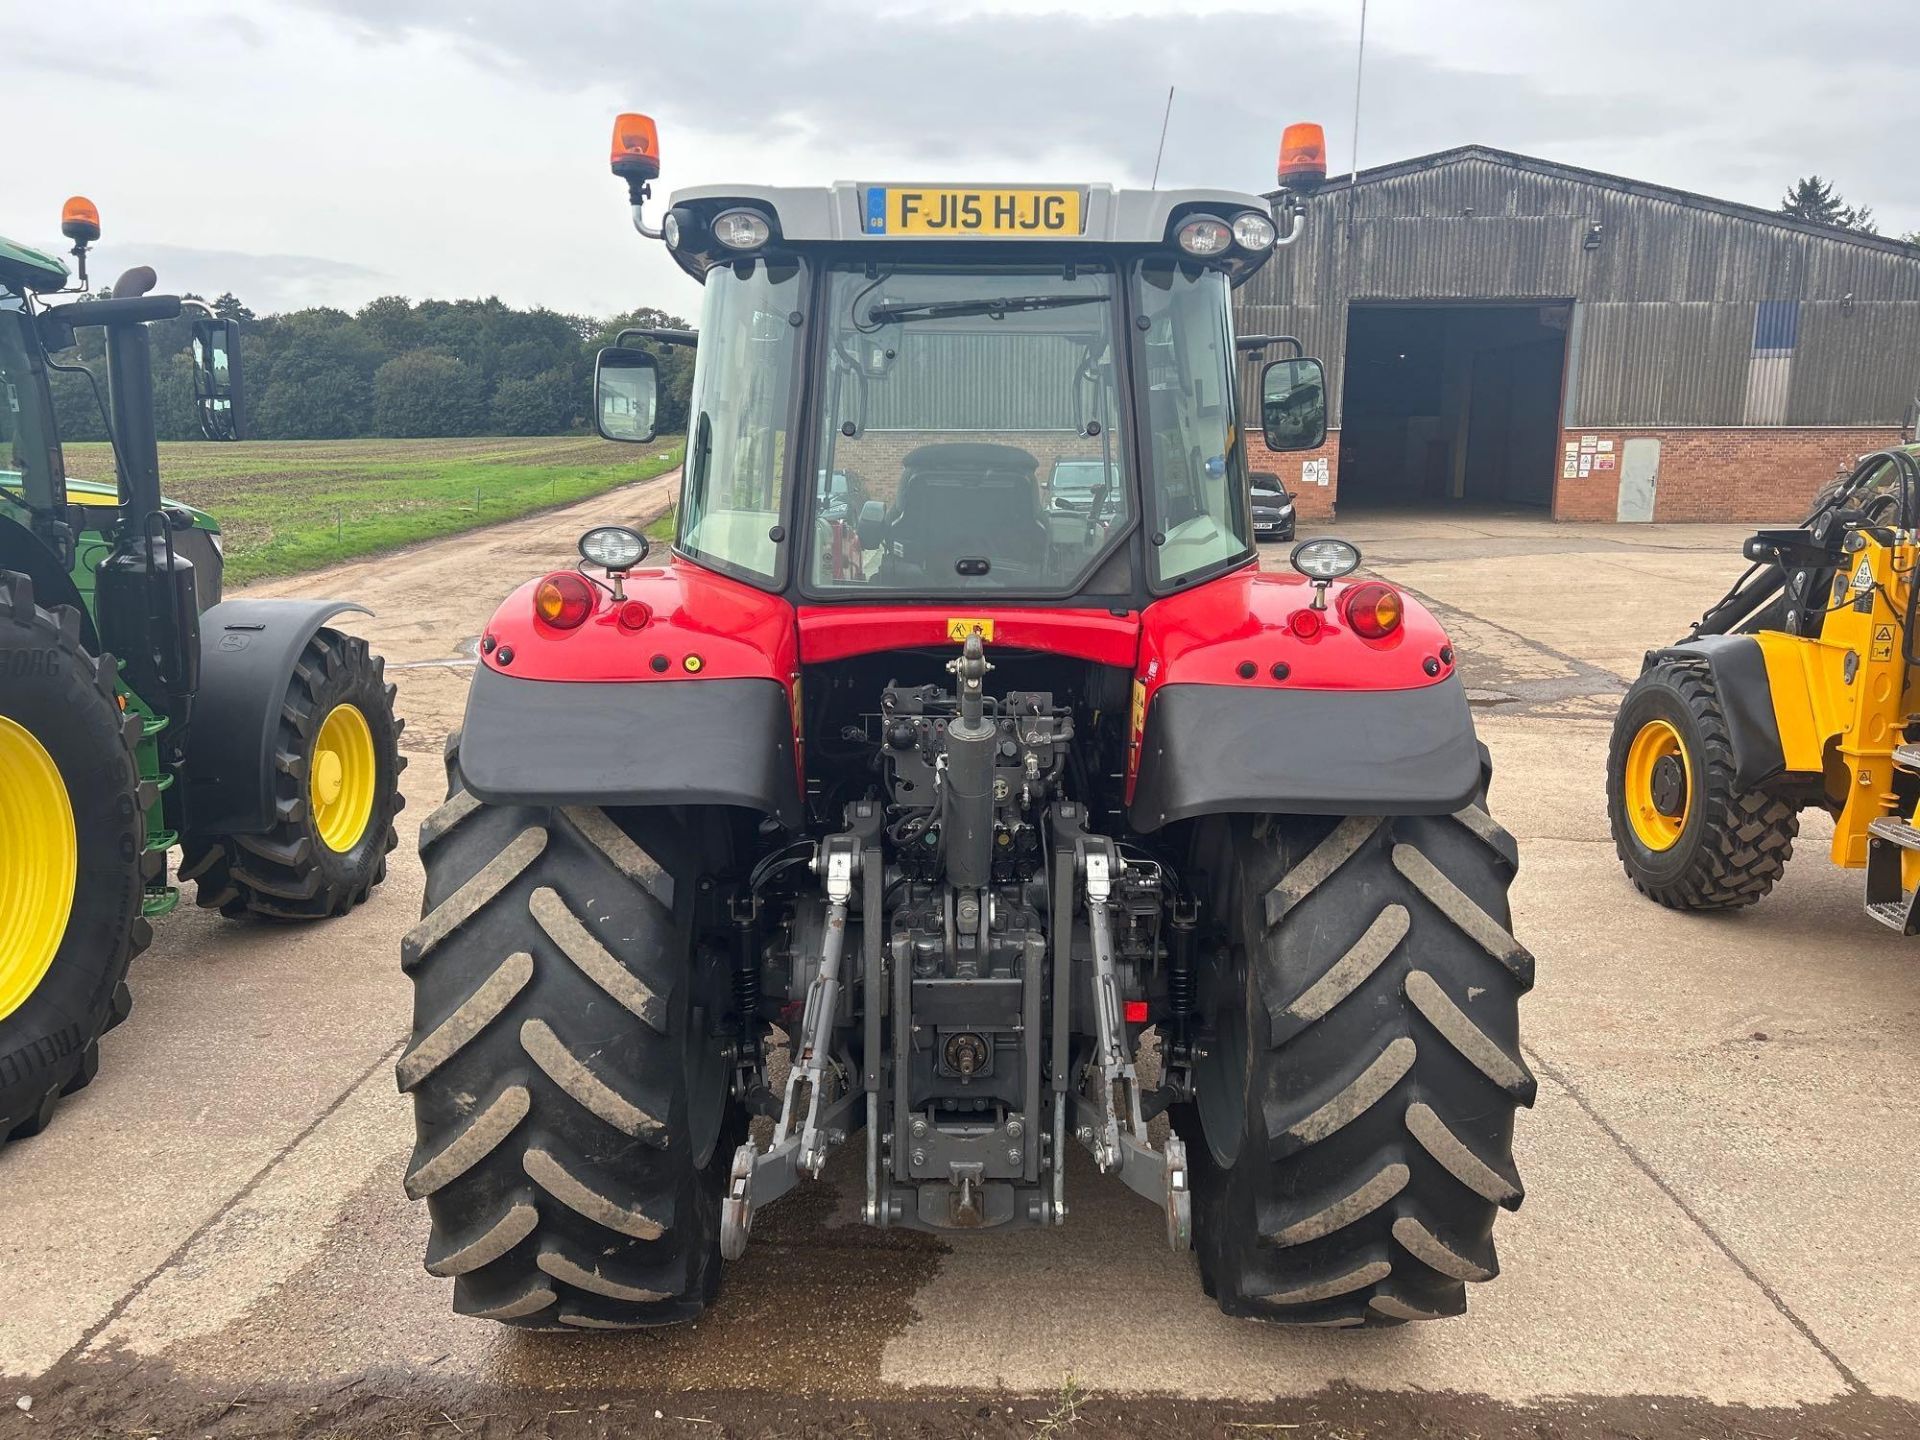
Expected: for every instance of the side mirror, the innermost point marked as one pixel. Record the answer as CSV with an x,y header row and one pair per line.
x,y
1293,404
626,394
218,398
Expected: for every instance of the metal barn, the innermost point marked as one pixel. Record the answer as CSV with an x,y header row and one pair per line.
x,y
1508,332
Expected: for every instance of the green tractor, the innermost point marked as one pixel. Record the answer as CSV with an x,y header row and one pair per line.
x,y
138,710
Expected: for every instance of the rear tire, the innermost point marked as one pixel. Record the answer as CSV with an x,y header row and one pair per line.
x,y
1352,1137
570,1083
295,871
63,700
1724,848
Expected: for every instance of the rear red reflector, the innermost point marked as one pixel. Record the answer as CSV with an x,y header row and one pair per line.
x,y
1136,1012
1304,623
634,615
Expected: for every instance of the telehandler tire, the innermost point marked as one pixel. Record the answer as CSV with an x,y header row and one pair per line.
x,y
569,1066
72,840
1357,1068
337,766
1686,837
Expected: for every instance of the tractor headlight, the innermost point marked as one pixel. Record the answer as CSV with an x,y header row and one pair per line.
x,y
1325,558
1253,231
1204,235
670,230
741,229
613,548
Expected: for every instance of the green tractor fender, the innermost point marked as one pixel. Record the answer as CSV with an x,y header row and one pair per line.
x,y
247,654
22,552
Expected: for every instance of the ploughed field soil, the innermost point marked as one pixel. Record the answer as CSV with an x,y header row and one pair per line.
x,y
1720,1239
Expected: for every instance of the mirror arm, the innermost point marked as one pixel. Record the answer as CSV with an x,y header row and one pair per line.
x,y
1255,343
659,335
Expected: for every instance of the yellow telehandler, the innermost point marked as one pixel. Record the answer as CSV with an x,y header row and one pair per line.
x,y
1797,689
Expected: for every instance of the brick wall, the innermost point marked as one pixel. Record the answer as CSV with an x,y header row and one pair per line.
x,y
1754,474
1310,502
875,458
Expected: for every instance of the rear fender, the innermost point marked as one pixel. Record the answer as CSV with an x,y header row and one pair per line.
x,y
247,653
1235,710
695,705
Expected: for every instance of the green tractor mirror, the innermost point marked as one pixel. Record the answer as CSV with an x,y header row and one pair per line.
x,y
218,398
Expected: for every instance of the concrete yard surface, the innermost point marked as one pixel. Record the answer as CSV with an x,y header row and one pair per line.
x,y
1721,1235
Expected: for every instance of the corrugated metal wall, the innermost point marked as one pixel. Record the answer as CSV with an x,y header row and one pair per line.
x,y
972,382
1666,299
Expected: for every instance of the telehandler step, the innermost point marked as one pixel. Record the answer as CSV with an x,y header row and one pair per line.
x,y
1906,757
1887,899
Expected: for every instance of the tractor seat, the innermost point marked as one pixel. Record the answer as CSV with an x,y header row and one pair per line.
x,y
962,500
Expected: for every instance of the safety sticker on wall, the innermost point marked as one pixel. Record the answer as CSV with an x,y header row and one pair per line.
x,y
1314,472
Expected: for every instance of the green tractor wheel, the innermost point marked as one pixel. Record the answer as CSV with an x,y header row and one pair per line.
x,y
72,834
336,791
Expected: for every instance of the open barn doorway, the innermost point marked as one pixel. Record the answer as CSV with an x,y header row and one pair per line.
x,y
1452,405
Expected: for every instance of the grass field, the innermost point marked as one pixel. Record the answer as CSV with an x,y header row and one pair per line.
x,y
292,505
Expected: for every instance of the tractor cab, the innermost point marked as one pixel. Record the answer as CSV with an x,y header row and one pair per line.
x,y
1034,390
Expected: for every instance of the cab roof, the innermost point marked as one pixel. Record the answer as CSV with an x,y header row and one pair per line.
x,y
838,213
30,269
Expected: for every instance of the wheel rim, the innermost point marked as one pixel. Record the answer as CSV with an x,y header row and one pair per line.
x,y
39,864
342,778
1220,1057
1658,785
706,1065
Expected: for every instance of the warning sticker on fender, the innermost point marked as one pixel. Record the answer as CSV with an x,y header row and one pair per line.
x,y
960,629
1882,643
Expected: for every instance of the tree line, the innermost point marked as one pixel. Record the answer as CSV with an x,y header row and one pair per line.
x,y
395,367
1815,199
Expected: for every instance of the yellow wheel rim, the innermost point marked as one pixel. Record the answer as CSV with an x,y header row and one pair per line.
x,y
1659,786
39,864
342,778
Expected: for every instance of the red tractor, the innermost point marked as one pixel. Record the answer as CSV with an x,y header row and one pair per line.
x,y
964,791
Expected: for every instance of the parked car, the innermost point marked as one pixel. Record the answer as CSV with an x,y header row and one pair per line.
x,y
1272,508
1073,483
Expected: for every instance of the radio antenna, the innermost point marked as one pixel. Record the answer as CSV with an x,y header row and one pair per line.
x,y
1165,116
1359,70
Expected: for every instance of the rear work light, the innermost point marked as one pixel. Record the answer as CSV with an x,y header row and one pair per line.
x,y
1373,609
564,600
741,229
1203,235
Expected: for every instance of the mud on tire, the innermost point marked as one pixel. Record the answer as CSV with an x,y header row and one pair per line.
x,y
570,1093
1734,844
64,698
290,873
1353,1138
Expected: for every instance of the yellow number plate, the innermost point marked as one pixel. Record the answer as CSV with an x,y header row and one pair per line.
x,y
959,630
1008,214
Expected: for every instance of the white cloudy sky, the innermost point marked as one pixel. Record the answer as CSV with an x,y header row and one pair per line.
x,y
327,151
